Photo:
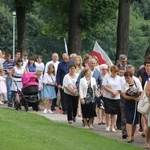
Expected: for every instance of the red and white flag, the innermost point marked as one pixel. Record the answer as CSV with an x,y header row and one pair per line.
x,y
100,54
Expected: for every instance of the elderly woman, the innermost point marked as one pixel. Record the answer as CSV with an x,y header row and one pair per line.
x,y
111,98
86,89
70,90
100,108
130,104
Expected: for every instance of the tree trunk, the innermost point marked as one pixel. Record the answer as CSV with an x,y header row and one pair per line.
x,y
21,26
74,37
123,28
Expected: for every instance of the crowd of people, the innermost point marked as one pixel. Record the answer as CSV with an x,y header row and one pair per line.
x,y
77,79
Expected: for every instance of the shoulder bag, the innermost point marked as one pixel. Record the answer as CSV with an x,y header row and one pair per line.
x,y
143,105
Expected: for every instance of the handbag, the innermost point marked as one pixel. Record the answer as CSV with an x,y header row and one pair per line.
x,y
97,94
143,105
89,100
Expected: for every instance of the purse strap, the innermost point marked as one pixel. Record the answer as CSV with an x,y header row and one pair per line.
x,y
135,84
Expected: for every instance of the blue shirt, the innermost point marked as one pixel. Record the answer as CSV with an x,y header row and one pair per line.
x,y
63,69
31,68
8,65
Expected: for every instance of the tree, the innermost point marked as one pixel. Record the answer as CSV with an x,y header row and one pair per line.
x,y
74,36
123,28
22,7
88,15
21,25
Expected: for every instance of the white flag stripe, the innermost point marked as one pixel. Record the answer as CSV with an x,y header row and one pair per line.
x,y
99,50
66,48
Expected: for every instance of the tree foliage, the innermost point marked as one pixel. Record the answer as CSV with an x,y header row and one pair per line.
x,y
94,12
5,28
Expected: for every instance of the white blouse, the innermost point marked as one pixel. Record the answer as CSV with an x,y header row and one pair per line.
x,y
49,78
111,83
70,82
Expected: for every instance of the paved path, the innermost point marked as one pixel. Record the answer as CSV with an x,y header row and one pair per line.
x,y
57,116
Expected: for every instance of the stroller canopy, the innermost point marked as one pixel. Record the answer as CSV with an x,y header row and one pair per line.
x,y
29,79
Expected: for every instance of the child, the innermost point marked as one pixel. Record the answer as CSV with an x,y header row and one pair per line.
x,y
3,89
49,93
39,77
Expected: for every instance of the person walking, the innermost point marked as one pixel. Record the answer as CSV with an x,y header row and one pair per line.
x,y
70,90
7,67
111,98
63,69
87,86
49,80
130,104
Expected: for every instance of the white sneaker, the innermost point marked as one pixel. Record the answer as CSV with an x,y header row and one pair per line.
x,y
45,111
1,103
113,130
107,129
49,111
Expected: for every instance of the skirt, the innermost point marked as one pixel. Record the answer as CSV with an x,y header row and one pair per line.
x,y
111,106
88,110
16,86
3,88
131,113
49,92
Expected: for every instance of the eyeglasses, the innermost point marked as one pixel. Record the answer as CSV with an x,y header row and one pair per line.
x,y
124,61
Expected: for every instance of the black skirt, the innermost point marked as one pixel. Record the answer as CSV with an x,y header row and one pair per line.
x,y
88,110
111,106
131,113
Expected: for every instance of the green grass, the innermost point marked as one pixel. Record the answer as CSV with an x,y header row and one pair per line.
x,y
27,131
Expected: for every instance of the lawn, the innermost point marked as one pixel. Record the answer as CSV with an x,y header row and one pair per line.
x,y
27,131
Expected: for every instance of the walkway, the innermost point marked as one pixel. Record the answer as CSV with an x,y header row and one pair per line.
x,y
57,116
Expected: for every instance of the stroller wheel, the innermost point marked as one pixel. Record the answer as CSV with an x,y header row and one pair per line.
x,y
37,108
26,107
16,105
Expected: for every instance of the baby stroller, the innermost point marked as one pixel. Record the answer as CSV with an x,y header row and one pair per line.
x,y
30,91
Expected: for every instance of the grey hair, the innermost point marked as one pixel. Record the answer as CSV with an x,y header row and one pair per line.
x,y
122,57
130,66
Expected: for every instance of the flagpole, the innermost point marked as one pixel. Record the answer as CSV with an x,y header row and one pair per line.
x,y
66,48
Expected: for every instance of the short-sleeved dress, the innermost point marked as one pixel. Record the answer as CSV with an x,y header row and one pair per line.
x,y
48,90
3,88
17,82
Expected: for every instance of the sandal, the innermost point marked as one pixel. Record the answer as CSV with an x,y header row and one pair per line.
x,y
146,145
130,141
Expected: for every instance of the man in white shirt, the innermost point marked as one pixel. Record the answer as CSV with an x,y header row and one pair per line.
x,y
55,62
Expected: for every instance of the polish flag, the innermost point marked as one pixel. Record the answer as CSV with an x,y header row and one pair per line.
x,y
100,54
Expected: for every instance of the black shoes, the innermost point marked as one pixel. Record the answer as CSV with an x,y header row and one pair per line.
x,y
65,112
53,108
124,136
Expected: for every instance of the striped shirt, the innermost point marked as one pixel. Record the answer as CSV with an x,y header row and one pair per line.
x,y
8,65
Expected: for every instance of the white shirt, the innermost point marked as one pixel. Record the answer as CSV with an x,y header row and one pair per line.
x,y
70,82
48,78
1,62
125,86
122,81
54,63
111,83
25,62
39,66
